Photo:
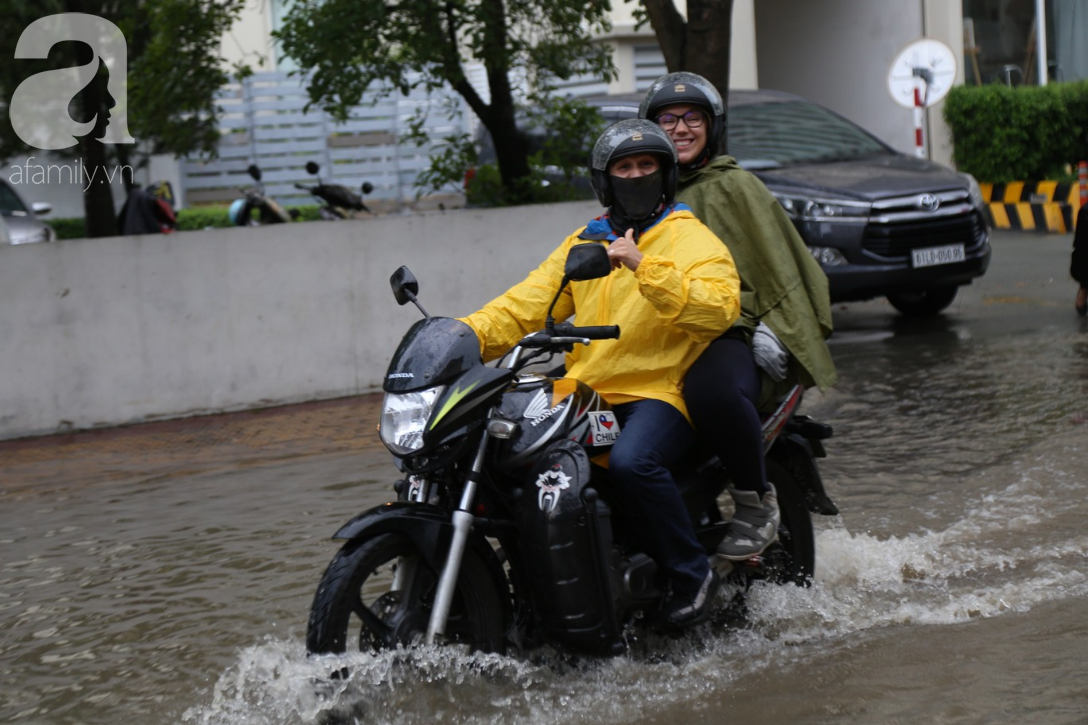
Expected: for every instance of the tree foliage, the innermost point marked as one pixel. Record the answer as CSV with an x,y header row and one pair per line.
x,y
174,71
353,46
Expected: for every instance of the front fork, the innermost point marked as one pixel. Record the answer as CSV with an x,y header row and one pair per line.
x,y
462,525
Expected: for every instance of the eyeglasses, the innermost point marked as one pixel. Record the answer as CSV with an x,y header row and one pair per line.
x,y
691,119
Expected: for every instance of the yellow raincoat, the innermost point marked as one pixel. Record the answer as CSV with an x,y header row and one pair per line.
x,y
683,294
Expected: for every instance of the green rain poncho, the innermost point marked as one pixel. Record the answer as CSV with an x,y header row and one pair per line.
x,y
781,284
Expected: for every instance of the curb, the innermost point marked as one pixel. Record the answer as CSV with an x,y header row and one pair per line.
x,y
1041,206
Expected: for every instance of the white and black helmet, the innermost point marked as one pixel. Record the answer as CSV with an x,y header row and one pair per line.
x,y
628,138
675,89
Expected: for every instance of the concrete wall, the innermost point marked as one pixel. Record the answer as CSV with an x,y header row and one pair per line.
x,y
108,331
838,53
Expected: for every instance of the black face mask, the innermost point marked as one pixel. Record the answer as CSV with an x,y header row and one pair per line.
x,y
637,199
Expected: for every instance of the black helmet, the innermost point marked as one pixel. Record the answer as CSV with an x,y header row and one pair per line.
x,y
679,88
627,138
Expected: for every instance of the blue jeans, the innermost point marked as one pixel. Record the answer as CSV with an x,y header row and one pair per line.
x,y
653,435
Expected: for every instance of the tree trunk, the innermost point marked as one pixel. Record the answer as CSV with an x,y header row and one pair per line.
x,y
98,209
97,195
671,32
511,147
709,36
511,150
700,45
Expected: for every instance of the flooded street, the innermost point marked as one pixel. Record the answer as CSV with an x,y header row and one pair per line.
x,y
163,573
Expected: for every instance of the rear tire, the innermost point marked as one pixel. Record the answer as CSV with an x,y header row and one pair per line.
x,y
926,302
362,605
793,557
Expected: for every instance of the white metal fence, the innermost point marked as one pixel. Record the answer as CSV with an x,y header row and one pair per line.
x,y
264,121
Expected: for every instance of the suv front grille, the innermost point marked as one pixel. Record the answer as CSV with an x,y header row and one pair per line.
x,y
898,226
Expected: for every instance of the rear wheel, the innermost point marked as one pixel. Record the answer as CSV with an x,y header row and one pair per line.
x,y
378,593
793,557
924,302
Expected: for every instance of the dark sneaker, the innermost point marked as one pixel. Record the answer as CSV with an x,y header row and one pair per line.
x,y
754,526
688,609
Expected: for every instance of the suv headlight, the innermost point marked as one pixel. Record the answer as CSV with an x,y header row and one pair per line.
x,y
404,417
974,191
813,209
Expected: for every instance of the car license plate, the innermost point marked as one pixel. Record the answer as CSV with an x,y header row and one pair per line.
x,y
931,256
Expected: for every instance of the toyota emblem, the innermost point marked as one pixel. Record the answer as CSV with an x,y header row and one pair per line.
x,y
929,202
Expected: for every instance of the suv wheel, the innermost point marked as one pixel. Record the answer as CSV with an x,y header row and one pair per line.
x,y
925,302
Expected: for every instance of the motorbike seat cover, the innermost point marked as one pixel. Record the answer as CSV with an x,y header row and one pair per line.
x,y
561,550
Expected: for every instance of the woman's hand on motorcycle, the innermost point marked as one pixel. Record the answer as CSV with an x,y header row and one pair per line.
x,y
624,252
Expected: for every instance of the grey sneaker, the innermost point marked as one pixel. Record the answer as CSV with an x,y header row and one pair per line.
x,y
754,526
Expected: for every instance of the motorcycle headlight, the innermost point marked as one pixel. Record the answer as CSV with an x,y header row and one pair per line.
x,y
811,209
404,417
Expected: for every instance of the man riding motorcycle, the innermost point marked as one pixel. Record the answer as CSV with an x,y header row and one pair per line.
x,y
674,288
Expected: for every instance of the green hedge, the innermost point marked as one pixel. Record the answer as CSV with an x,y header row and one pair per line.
x,y
189,220
1002,134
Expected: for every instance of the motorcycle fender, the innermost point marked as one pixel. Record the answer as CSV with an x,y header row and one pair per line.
x,y
428,526
795,453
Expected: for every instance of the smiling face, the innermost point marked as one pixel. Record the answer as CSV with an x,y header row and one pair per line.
x,y
689,142
630,167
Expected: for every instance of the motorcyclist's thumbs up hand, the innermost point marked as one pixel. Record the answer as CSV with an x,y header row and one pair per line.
x,y
624,252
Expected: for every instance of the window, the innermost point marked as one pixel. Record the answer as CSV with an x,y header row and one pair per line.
x,y
770,134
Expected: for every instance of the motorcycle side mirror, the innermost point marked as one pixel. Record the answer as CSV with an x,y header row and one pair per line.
x,y
367,187
587,261
254,171
584,261
405,288
312,167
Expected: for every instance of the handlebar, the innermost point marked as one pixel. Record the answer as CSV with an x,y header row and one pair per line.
x,y
567,334
591,332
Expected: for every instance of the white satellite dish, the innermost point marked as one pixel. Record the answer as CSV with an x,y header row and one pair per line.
x,y
926,65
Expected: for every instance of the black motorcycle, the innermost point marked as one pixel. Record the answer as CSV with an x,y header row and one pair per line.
x,y
503,530
255,198
339,202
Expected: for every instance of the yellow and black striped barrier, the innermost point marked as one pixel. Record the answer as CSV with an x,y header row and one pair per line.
x,y
1043,206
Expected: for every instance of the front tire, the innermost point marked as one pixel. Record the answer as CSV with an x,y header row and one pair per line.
x,y
377,593
924,302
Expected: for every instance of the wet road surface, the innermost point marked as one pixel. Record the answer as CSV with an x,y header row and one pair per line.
x,y
162,573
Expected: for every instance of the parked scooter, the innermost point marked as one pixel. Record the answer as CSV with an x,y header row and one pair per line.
x,y
268,211
340,202
502,531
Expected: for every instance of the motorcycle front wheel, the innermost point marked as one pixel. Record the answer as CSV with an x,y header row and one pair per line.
x,y
377,593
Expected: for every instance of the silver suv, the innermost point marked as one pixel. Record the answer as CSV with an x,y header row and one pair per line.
x,y
23,224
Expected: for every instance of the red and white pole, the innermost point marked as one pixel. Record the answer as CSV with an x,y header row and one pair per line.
x,y
919,122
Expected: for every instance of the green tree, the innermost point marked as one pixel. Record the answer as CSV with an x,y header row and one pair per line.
x,y
352,46
174,71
